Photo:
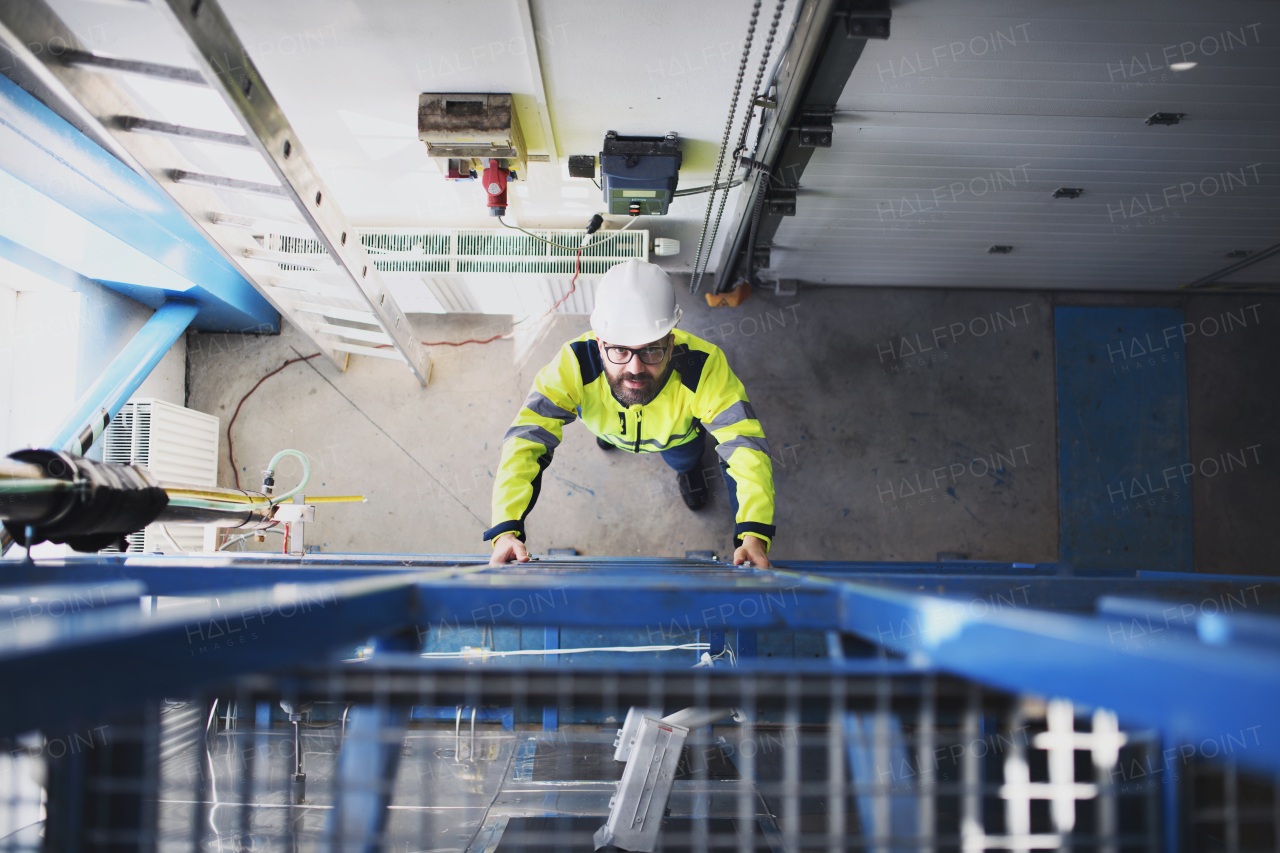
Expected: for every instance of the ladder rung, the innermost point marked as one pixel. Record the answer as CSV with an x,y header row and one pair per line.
x,y
232,220
160,128
82,59
301,284
257,223
354,334
390,353
367,317
313,261
184,177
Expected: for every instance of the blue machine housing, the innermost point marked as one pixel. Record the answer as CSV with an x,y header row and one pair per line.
x,y
638,174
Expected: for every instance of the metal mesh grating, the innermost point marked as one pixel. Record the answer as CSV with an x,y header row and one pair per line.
x,y
1228,808
882,763
445,735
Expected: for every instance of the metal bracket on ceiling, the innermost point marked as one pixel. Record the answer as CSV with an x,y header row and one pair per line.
x,y
865,21
780,201
814,127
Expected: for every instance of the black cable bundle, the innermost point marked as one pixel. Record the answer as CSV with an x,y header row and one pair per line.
x,y
106,502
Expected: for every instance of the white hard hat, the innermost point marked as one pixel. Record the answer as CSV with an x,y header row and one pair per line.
x,y
635,304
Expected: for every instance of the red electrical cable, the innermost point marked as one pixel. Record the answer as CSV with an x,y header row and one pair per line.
x,y
577,268
459,343
573,285
231,447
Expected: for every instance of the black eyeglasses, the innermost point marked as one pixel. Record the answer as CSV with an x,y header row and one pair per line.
x,y
648,355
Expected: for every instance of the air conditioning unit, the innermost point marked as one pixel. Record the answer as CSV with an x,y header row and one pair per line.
x,y
176,444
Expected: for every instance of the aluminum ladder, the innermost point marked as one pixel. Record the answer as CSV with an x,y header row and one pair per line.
x,y
339,301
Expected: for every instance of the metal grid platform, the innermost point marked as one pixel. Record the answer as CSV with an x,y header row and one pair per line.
x,y
1008,707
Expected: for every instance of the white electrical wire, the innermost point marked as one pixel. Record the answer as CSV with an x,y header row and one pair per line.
x,y
728,650
242,537
174,542
612,234
487,653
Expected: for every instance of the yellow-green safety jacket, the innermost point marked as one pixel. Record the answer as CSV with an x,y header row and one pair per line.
x,y
701,388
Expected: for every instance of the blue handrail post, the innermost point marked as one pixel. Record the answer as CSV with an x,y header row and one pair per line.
x,y
104,399
551,713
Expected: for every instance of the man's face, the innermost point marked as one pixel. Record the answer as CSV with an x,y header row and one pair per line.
x,y
636,383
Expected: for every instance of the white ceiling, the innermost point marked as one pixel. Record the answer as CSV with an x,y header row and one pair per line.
x,y
348,74
1034,96
1058,100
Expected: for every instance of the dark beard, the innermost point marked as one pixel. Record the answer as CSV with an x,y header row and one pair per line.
x,y
638,396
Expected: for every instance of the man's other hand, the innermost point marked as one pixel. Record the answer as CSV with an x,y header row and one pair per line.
x,y
509,549
752,551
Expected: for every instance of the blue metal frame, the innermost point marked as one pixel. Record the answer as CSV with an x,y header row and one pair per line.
x,y
1002,586
448,713
1191,686
127,371
551,713
113,658
135,240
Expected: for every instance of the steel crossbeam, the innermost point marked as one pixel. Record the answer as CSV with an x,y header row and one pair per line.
x,y
81,666
1001,586
1153,666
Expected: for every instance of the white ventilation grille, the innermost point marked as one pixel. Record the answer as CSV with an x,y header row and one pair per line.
x,y
177,445
456,271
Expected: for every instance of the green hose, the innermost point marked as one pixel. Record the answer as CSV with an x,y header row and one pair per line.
x,y
306,473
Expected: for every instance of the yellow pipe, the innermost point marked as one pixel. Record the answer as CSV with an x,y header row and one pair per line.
x,y
337,499
220,495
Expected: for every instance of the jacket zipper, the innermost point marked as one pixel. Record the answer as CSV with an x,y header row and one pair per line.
x,y
622,419
639,412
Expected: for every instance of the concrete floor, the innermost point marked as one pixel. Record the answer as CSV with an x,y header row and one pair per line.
x,y
878,453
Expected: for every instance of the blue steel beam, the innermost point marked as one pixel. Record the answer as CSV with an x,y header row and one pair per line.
x,y
448,714
551,713
367,764
194,575
1165,678
81,667
55,182
123,375
1191,692
366,776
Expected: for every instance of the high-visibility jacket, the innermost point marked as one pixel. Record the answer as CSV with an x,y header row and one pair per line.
x,y
700,388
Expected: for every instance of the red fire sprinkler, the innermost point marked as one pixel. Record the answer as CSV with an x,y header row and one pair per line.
x,y
495,187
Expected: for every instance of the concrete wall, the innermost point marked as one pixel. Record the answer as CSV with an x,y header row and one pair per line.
x,y
1232,365
903,422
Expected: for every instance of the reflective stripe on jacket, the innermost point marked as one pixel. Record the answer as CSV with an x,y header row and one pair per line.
x,y
701,387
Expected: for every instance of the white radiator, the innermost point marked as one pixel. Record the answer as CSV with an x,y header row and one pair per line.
x,y
176,444
457,270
